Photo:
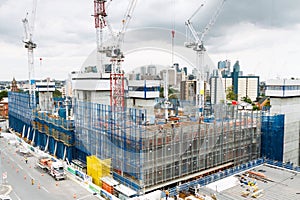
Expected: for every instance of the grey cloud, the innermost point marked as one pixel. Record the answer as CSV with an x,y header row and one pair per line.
x,y
69,24
267,13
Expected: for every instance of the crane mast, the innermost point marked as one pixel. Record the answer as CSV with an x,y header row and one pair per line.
x,y
100,23
30,46
197,44
113,51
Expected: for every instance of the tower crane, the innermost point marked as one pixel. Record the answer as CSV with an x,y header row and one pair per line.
x,y
30,45
113,50
100,23
197,44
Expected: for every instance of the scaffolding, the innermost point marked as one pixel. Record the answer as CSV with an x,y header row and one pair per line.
x,y
50,133
54,134
144,156
19,110
272,138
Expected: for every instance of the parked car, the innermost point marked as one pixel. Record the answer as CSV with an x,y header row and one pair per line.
x,y
5,197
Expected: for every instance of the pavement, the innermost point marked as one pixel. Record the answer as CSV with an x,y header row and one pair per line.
x,y
5,189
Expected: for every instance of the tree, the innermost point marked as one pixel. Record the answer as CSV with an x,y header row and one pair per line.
x,y
172,93
230,95
255,107
57,93
3,94
161,92
246,99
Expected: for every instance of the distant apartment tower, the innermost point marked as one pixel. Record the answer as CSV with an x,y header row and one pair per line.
x,y
171,75
285,99
224,67
243,86
143,70
151,70
217,87
188,90
180,76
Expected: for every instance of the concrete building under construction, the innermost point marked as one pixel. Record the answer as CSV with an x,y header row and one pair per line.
x,y
146,142
146,152
146,157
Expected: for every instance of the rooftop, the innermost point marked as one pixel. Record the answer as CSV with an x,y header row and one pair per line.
x,y
269,182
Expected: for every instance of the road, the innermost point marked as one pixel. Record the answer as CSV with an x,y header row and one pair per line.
x,y
29,182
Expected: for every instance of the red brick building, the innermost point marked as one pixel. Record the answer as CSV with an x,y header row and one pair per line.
x,y
4,108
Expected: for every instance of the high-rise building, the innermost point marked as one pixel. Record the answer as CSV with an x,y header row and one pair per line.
x,y
188,90
224,67
171,76
243,86
151,70
180,76
143,70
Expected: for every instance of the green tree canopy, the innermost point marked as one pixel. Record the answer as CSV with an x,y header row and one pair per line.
x,y
230,95
3,94
246,99
172,93
57,93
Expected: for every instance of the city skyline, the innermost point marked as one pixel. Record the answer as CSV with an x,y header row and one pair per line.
x,y
262,36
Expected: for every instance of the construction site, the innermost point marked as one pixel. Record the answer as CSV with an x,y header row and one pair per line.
x,y
133,136
148,157
151,142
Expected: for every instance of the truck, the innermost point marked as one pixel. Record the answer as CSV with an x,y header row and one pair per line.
x,y
53,167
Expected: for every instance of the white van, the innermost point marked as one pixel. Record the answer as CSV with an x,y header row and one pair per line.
x,y
5,197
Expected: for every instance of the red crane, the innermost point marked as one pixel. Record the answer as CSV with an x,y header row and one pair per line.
x,y
117,93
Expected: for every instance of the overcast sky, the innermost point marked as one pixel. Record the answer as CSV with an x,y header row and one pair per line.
x,y
262,34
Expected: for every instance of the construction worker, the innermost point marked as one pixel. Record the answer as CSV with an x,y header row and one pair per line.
x,y
32,181
167,194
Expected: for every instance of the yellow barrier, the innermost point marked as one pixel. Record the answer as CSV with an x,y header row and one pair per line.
x,y
97,168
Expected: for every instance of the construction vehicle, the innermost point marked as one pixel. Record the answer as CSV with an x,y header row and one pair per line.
x,y
54,167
